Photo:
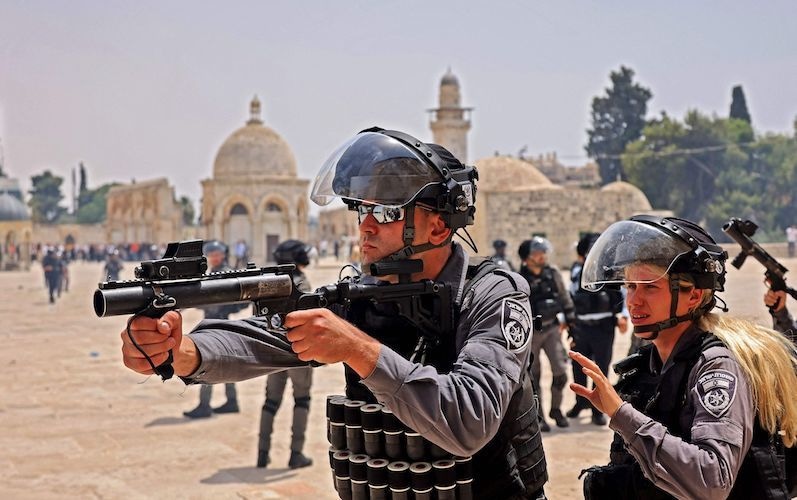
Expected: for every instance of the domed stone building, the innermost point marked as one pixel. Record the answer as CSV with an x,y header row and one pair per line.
x,y
255,194
516,201
15,227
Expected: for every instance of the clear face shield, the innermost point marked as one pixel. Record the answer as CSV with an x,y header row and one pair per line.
x,y
373,168
626,243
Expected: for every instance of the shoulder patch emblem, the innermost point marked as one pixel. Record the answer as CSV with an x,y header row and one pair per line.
x,y
716,390
515,324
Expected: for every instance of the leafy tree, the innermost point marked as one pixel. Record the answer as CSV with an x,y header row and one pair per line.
x,y
739,105
775,164
45,198
83,182
188,210
93,204
617,120
692,165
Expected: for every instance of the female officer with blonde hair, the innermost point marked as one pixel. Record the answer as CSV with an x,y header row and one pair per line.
x,y
710,402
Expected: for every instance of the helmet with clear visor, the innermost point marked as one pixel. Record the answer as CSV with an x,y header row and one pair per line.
x,y
666,245
393,169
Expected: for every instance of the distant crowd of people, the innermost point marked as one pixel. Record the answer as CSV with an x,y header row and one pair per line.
x,y
55,261
97,252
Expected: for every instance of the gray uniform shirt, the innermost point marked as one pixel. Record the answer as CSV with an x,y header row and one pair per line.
x,y
460,410
720,407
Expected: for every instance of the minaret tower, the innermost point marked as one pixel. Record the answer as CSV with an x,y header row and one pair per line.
x,y
450,122
254,112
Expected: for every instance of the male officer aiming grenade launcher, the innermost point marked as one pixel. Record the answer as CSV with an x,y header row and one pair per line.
x,y
742,232
178,280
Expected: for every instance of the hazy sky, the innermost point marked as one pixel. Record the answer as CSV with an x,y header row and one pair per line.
x,y
144,89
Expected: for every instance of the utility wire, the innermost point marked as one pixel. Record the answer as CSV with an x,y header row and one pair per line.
x,y
655,154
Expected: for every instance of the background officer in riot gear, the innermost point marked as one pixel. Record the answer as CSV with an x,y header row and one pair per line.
x,y
549,298
51,264
472,397
216,253
709,404
288,252
597,314
499,257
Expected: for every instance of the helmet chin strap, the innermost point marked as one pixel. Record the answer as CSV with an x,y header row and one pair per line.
x,y
673,320
409,235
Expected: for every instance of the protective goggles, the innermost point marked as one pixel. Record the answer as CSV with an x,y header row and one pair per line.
x,y
381,213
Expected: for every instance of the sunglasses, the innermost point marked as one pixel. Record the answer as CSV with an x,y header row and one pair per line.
x,y
381,213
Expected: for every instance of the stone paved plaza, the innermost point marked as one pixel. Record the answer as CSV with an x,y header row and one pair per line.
x,y
74,423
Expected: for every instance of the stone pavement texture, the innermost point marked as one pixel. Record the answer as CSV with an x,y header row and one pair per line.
x,y
75,423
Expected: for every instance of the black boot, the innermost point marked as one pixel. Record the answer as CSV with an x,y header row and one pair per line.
x,y
298,460
599,419
200,411
561,421
262,459
228,407
544,427
576,410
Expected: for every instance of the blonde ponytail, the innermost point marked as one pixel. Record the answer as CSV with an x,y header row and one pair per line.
x,y
769,361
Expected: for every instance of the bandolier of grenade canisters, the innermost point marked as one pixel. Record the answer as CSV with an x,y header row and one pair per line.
x,y
374,456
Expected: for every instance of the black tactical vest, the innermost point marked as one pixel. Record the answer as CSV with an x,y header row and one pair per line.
x,y
665,399
544,293
595,302
512,465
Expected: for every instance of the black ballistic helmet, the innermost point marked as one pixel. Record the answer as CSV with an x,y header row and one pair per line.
x,y
292,252
677,246
585,243
394,169
499,244
391,168
536,244
213,246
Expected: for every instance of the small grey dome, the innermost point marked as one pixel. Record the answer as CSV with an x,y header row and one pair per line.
x,y
449,79
11,208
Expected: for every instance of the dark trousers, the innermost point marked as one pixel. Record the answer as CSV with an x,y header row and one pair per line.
x,y
594,340
53,284
206,391
302,379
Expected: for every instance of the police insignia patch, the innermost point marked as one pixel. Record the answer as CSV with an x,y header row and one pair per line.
x,y
515,324
716,389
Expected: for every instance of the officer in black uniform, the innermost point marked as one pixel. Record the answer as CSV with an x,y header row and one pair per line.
x,y
593,329
465,390
549,298
52,273
499,257
288,252
216,253
113,265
